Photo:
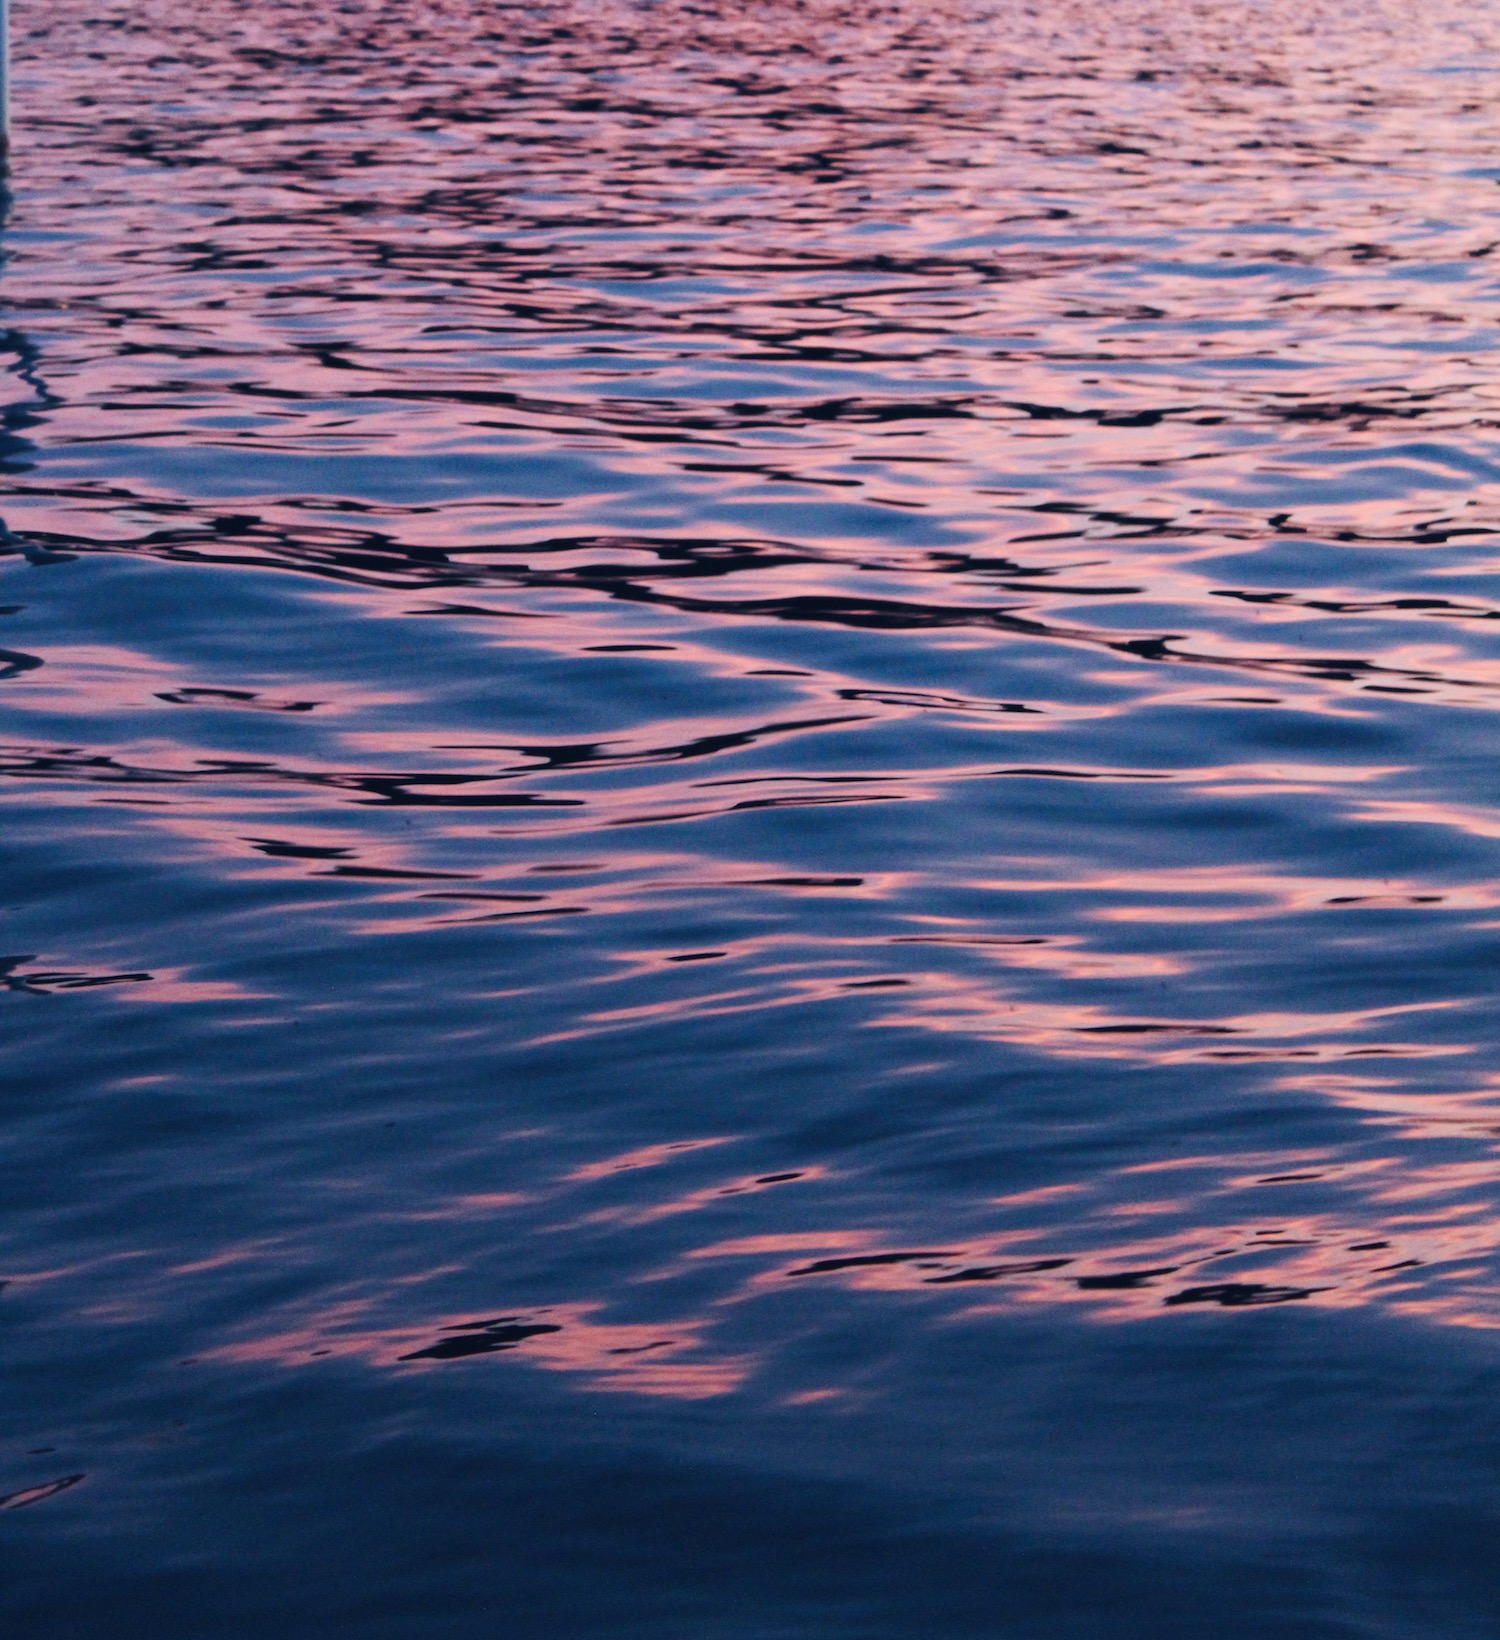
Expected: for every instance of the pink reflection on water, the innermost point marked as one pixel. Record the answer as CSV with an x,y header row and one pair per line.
x,y
646,1156
714,1195
986,315
949,1003
1414,1112
666,1359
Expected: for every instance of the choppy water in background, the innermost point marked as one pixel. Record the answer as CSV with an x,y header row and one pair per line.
x,y
751,820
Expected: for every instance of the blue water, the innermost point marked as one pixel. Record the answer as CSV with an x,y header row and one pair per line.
x,y
750,821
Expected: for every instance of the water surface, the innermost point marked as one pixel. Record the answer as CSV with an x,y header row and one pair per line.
x,y
750,821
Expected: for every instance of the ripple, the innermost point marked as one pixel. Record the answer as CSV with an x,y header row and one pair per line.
x,y
753,746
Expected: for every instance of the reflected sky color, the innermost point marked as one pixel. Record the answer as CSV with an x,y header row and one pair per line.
x,y
749,768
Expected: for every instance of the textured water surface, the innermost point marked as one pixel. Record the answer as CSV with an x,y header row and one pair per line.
x,y
750,820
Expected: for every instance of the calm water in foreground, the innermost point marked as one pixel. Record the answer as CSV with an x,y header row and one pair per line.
x,y
751,828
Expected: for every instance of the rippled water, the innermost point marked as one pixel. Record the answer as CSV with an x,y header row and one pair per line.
x,y
751,823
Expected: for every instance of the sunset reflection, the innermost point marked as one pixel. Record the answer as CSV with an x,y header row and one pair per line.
x,y
751,842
